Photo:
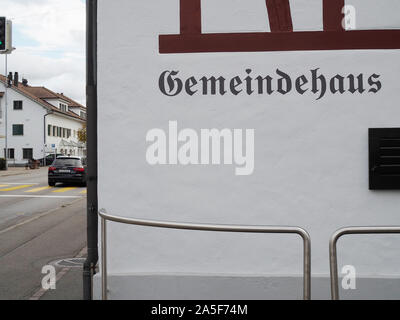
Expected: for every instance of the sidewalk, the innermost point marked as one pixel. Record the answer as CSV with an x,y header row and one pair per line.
x,y
19,171
69,283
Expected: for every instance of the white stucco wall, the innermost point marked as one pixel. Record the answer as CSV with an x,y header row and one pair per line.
x,y
31,117
376,14
54,102
67,123
311,165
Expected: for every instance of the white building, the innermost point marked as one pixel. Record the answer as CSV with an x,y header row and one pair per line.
x,y
39,122
323,141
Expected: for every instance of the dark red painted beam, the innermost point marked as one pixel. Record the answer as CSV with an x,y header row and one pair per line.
x,y
333,15
190,12
281,41
280,18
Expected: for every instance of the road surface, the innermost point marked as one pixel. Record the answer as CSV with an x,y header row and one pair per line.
x,y
39,226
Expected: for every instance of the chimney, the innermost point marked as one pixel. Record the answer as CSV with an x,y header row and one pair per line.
x,y
9,79
16,79
25,82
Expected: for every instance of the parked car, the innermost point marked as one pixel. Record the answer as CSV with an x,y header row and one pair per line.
x,y
50,158
67,170
83,159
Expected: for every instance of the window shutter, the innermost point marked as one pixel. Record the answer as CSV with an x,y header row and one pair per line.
x,y
384,159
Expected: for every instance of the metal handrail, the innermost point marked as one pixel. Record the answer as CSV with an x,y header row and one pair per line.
x,y
207,227
333,249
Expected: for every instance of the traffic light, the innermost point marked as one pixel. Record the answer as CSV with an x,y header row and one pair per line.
x,y
3,32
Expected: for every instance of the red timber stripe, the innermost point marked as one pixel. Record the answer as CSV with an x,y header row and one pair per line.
x,y
280,18
190,12
333,15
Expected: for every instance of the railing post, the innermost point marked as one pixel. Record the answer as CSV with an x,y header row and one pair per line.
x,y
209,227
333,266
104,258
307,267
333,249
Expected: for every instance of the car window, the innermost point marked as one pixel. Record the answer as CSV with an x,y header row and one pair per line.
x,y
68,163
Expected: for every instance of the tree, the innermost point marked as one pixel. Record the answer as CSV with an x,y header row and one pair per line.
x,y
82,134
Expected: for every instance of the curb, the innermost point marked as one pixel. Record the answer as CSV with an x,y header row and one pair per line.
x,y
17,173
11,174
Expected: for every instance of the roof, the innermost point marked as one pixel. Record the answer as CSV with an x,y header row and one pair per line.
x,y
40,94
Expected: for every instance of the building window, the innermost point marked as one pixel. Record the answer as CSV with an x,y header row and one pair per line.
x,y
68,133
59,132
27,154
11,153
18,129
17,105
83,115
54,131
63,107
49,130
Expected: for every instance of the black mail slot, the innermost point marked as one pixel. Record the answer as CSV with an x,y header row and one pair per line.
x,y
384,159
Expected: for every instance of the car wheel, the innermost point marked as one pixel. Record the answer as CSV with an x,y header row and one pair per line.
x,y
52,183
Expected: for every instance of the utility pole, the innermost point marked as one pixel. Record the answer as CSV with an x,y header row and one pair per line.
x,y
6,48
5,113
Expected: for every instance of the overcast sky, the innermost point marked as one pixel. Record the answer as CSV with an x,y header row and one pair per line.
x,y
50,39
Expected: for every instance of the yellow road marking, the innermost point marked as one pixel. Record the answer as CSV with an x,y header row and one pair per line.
x,y
3,185
84,192
65,189
39,189
18,187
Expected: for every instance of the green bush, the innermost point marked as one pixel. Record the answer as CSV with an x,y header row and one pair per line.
x,y
2,164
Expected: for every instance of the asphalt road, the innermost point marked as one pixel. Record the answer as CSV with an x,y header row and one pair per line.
x,y
40,226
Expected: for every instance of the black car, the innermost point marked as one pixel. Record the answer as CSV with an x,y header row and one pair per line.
x,y
67,170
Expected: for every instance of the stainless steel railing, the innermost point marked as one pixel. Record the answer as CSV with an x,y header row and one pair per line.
x,y
333,250
207,227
